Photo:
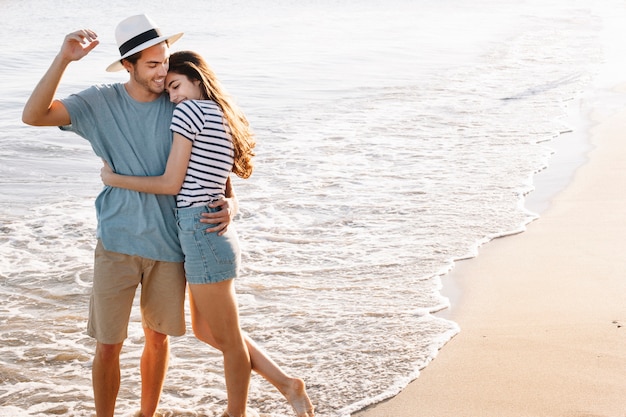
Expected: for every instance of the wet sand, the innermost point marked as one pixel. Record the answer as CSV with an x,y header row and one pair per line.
x,y
542,313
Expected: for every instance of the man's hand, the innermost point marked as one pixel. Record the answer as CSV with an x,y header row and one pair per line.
x,y
78,44
221,218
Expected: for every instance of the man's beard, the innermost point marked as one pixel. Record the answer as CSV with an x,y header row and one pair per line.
x,y
146,83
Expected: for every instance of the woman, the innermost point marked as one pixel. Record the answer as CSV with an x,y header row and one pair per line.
x,y
212,138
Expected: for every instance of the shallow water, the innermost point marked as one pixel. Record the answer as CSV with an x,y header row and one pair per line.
x,y
394,138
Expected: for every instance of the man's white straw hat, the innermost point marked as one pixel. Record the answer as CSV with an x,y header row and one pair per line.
x,y
135,34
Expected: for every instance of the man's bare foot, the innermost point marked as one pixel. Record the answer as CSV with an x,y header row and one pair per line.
x,y
296,396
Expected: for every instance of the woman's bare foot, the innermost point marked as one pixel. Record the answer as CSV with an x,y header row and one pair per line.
x,y
296,396
249,413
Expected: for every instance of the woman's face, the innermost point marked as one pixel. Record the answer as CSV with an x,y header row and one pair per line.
x,y
181,88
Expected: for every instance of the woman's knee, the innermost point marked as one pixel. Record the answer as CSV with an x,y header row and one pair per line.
x,y
230,339
202,334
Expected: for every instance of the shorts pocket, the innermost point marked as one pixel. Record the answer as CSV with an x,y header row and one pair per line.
x,y
224,249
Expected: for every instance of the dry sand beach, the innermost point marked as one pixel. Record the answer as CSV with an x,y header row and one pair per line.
x,y
542,313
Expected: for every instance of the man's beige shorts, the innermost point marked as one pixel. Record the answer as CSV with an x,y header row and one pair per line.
x,y
116,277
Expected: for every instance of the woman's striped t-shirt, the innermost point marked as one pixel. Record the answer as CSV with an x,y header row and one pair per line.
x,y
202,122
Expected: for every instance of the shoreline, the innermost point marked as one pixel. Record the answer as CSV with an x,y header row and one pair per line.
x,y
542,314
571,149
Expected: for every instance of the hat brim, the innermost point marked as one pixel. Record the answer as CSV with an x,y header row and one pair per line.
x,y
117,65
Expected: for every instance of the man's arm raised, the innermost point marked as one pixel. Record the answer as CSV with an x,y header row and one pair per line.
x,y
42,109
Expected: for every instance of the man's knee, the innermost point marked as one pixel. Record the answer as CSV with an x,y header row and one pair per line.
x,y
155,340
108,352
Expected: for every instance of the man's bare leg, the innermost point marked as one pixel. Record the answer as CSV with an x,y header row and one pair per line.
x,y
105,375
154,362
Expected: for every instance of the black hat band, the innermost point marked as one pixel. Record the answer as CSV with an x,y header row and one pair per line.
x,y
132,43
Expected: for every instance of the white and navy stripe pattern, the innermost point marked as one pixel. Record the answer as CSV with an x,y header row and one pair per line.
x,y
212,154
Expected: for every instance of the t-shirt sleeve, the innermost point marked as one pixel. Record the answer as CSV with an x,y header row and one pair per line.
x,y
187,119
77,105
89,108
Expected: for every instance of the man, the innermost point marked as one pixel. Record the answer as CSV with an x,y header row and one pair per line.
x,y
128,126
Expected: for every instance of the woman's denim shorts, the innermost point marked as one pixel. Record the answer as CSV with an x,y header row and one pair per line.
x,y
209,258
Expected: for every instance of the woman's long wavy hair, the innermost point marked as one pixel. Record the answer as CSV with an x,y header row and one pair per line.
x,y
194,67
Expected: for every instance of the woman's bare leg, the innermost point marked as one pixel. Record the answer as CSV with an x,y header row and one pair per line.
x,y
293,389
217,307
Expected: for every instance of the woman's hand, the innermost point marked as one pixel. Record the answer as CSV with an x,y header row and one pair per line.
x,y
106,173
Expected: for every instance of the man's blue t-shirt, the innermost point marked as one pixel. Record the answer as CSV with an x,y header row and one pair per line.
x,y
135,139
